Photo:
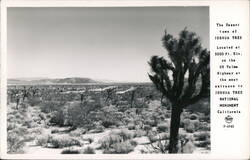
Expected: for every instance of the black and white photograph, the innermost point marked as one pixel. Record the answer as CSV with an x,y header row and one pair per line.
x,y
108,80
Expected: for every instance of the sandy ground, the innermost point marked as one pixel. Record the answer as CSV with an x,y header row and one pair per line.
x,y
32,148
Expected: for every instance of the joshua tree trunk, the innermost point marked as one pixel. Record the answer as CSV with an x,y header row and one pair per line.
x,y
174,129
162,96
132,99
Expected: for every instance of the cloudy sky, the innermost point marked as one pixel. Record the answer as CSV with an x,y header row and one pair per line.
x,y
98,43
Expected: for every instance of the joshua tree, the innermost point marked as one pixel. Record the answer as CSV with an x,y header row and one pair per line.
x,y
132,98
183,77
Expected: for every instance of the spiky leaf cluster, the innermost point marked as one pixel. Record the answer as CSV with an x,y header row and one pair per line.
x,y
187,60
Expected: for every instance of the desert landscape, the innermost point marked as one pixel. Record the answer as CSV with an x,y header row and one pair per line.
x,y
108,80
100,118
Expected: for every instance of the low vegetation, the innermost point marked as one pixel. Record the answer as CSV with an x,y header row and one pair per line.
x,y
99,124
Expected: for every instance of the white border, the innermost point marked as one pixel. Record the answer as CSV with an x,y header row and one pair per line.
x,y
118,3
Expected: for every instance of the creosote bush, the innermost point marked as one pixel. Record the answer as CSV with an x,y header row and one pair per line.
x,y
57,141
202,136
89,150
70,151
118,142
121,148
163,127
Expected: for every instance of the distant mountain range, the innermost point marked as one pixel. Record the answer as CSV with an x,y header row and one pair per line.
x,y
72,80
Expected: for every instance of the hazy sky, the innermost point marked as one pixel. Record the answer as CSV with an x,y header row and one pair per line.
x,y
98,43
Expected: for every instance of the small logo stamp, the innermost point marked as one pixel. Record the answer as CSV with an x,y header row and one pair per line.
x,y
228,119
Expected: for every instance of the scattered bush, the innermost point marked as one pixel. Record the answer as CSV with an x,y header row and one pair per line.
x,y
203,144
188,147
140,133
70,151
193,117
108,141
58,118
43,140
120,148
90,140
57,142
163,127
89,150
202,136
98,129
124,134
113,138
147,128
34,101
131,126
205,126
190,127
16,139
55,131
152,137
50,106
77,132
61,142
108,123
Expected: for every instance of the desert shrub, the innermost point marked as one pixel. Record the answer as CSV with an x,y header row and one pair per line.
x,y
200,107
140,133
197,124
108,141
189,127
203,144
164,136
17,131
163,127
89,150
90,140
193,117
77,132
58,118
34,132
167,115
61,142
98,129
108,123
43,140
188,147
29,123
70,151
110,116
55,131
147,128
82,114
131,126
205,126
133,143
152,137
205,118
16,139
116,137
202,136
11,126
50,106
151,123
120,148
124,134
57,142
34,101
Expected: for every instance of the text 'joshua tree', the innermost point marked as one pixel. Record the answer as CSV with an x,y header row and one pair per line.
x,y
183,77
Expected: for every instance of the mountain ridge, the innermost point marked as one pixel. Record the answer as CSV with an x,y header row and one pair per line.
x,y
68,80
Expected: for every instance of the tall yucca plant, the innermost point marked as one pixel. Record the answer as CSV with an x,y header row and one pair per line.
x,y
177,77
